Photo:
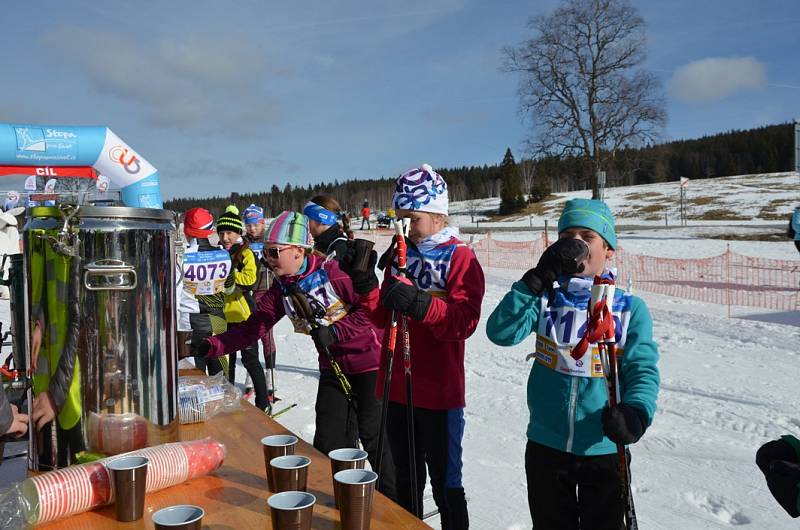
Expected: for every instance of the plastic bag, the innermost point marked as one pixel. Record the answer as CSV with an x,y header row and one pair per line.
x,y
200,398
76,489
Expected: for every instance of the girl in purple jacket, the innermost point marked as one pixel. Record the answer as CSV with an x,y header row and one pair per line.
x,y
341,326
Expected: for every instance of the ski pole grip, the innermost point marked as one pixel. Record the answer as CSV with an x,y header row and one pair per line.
x,y
361,251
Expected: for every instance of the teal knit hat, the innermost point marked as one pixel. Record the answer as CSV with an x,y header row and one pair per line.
x,y
230,221
589,213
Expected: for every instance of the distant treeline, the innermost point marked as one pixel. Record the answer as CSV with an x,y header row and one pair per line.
x,y
762,150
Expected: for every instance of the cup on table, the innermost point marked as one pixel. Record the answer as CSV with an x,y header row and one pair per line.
x,y
179,517
290,472
130,478
275,446
291,510
356,488
345,458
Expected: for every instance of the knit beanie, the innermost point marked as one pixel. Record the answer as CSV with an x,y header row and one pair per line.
x,y
198,222
421,189
230,220
592,214
253,214
289,228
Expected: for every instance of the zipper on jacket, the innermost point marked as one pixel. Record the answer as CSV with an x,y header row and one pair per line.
x,y
573,399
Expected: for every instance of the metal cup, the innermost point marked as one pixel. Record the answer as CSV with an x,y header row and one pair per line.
x,y
346,458
291,510
179,517
290,472
130,479
275,446
362,249
356,487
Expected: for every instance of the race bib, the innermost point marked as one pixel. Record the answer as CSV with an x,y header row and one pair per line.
x,y
204,273
430,270
321,295
561,328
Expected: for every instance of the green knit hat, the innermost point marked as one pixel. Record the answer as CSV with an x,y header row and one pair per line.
x,y
589,213
230,221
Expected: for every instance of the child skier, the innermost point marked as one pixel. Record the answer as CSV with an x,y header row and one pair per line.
x,y
570,459
330,238
442,298
255,225
208,318
342,329
239,301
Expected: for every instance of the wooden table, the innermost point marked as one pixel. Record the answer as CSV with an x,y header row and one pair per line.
x,y
235,496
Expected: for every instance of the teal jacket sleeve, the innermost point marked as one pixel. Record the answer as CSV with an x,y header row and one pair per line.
x,y
639,365
515,318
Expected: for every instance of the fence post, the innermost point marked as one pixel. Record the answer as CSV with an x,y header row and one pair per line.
x,y
489,250
546,241
728,277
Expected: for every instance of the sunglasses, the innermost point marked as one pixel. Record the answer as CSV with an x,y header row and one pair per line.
x,y
274,252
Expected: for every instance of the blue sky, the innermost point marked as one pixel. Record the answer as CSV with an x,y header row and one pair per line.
x,y
237,96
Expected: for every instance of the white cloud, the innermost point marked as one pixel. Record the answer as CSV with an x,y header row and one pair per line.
x,y
198,84
715,78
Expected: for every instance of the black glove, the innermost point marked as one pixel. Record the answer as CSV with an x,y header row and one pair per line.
x,y
403,296
565,256
203,348
624,424
324,337
388,256
363,281
778,460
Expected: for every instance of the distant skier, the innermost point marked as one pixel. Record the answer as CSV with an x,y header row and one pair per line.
x,y
571,461
794,228
779,460
365,212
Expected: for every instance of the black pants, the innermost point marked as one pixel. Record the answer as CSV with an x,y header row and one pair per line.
x,y
201,328
340,424
254,368
571,492
437,437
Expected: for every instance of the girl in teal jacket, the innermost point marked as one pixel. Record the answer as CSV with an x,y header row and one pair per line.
x,y
571,432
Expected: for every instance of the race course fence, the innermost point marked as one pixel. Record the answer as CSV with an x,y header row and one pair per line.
x,y
728,279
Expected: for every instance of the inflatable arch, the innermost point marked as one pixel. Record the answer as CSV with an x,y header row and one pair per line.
x,y
98,147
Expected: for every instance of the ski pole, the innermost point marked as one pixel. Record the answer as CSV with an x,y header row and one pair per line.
x,y
601,306
400,250
302,304
290,407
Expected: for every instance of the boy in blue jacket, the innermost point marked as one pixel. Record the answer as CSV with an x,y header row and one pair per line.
x,y
570,459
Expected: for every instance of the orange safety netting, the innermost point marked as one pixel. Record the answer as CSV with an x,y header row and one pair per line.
x,y
728,279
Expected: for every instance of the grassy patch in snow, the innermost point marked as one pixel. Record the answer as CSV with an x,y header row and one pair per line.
x,y
753,236
772,210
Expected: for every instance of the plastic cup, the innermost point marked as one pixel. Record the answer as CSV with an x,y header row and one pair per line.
x,y
275,446
291,510
356,488
346,458
179,517
130,479
362,249
290,472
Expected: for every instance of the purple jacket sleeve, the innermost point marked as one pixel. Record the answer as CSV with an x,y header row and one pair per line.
x,y
357,319
268,312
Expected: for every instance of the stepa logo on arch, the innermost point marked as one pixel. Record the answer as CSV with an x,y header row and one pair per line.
x,y
30,139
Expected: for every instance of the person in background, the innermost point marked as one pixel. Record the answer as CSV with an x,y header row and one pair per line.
x,y
204,311
255,226
794,228
239,302
365,211
330,238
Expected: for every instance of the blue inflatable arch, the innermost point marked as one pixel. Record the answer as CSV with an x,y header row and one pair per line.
x,y
98,147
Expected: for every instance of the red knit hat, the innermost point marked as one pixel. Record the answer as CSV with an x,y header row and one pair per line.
x,y
198,222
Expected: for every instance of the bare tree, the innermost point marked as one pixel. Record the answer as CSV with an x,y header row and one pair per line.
x,y
527,168
581,83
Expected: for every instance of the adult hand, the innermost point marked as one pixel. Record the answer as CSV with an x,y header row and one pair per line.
x,y
19,425
44,410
